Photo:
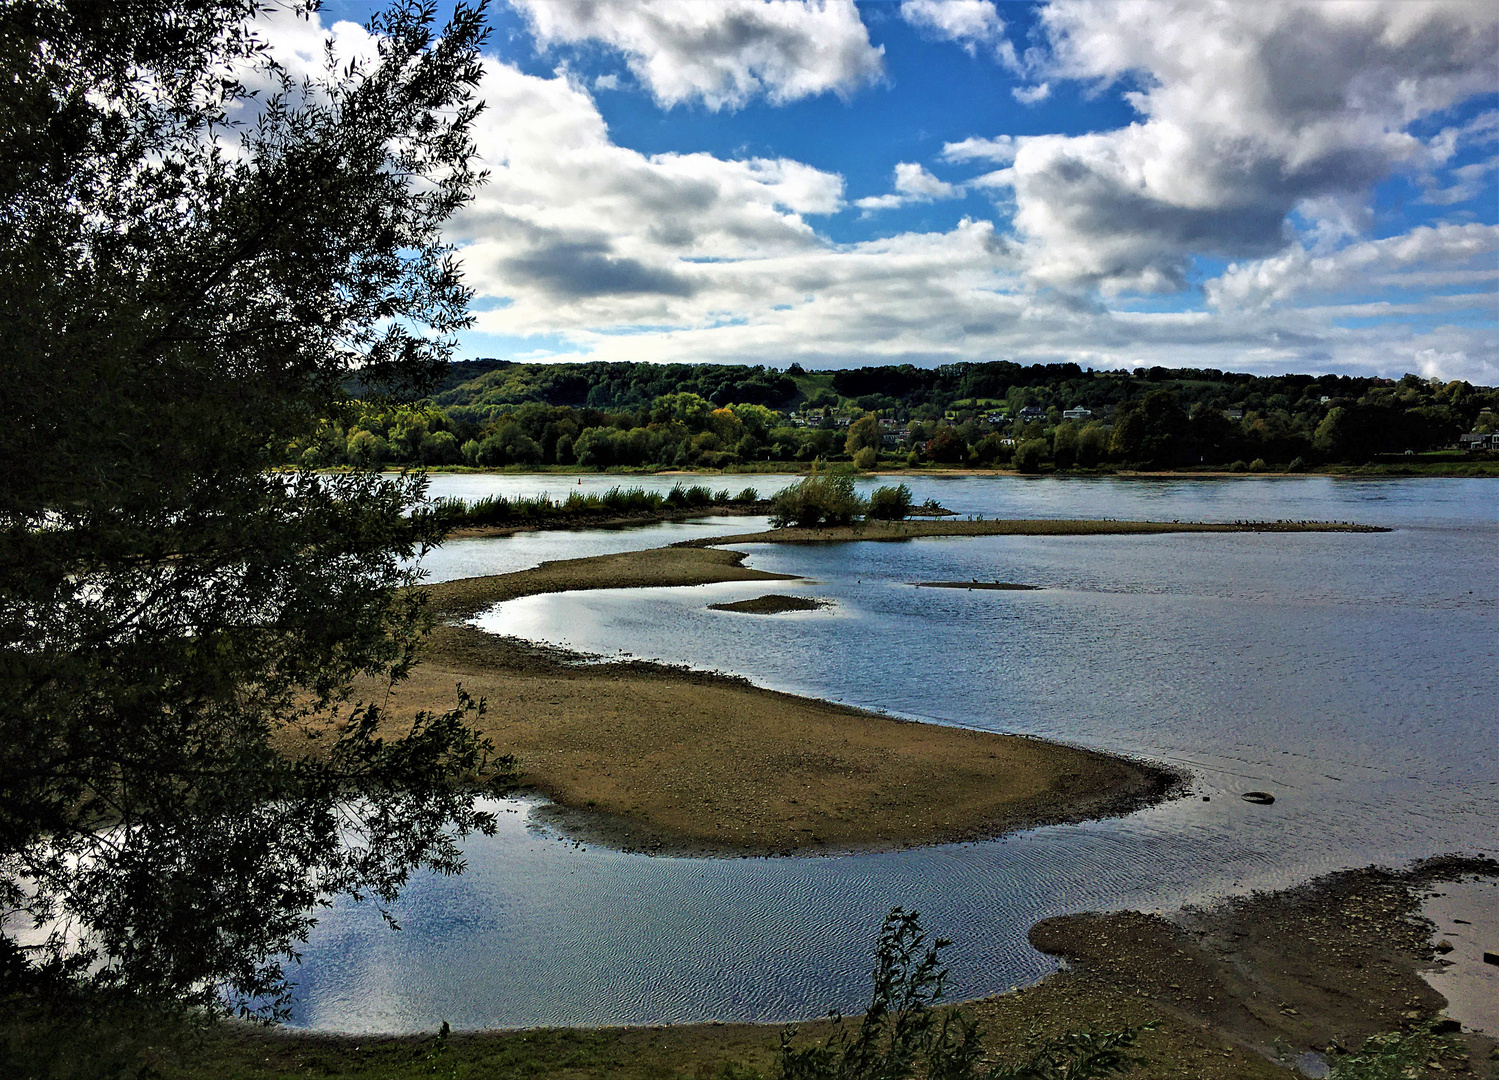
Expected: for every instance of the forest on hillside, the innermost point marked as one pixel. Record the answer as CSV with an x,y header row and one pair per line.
x,y
490,413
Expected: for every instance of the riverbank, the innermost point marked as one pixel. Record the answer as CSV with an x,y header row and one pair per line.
x,y
1464,467
1239,991
660,759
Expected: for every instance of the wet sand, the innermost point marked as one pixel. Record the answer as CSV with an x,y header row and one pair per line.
x,y
1003,586
655,758
772,604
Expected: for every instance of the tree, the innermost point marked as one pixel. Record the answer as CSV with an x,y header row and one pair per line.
x,y
185,295
1029,455
947,446
863,434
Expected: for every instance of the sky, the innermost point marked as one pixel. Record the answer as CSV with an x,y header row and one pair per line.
x,y
1260,187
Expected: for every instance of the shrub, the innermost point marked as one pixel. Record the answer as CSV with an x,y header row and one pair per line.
x,y
818,499
866,458
890,503
902,1035
1259,464
748,495
1239,466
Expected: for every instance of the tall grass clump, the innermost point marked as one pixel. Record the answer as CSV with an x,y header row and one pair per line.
x,y
500,510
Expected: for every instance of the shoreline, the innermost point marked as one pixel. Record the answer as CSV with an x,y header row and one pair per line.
x,y
649,757
1241,990
1454,470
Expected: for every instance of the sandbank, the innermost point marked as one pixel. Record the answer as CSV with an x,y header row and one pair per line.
x,y
662,759
772,604
915,530
1003,586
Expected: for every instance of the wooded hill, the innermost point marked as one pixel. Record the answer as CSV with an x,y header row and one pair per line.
x,y
496,413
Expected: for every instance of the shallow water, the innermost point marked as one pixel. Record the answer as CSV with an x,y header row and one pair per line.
x,y
1352,675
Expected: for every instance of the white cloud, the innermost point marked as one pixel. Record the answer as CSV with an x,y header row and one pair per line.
x,y
1248,113
970,23
1000,150
1030,95
913,184
722,54
576,231
626,256
1297,273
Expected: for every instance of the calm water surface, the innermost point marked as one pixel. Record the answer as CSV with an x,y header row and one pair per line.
x,y
1352,675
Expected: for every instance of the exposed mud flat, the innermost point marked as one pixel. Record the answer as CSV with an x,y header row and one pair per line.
x,y
655,758
773,604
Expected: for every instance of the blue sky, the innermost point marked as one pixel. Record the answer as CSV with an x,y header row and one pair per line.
x,y
1254,187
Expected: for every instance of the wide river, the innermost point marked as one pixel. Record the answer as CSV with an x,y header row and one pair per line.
x,y
1353,675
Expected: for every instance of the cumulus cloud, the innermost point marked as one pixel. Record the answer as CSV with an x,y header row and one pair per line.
x,y
913,184
1031,95
722,54
1297,273
999,150
973,24
1249,112
576,231
595,250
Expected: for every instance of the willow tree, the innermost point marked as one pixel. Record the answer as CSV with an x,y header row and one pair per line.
x,y
198,251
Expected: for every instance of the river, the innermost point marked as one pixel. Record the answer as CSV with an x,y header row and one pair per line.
x,y
1353,675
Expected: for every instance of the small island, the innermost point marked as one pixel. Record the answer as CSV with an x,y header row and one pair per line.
x,y
772,604
1005,586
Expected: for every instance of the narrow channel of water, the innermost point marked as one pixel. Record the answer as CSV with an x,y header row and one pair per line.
x,y
1353,675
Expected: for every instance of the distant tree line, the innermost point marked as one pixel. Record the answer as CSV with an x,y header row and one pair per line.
x,y
598,415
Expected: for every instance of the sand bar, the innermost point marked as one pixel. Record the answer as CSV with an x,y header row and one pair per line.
x,y
656,758
773,604
915,530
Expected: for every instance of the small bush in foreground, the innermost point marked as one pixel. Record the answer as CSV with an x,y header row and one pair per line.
x,y
890,503
902,1035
